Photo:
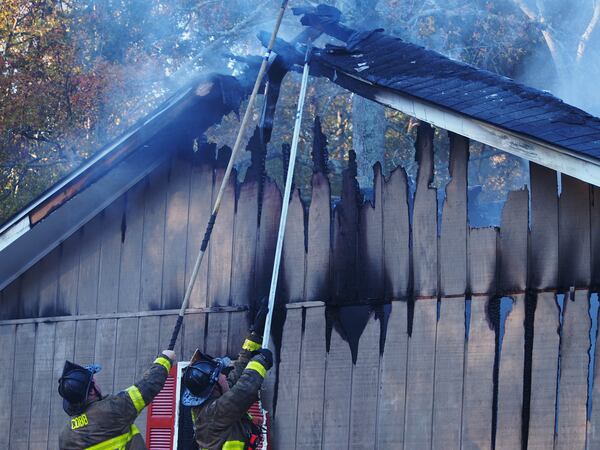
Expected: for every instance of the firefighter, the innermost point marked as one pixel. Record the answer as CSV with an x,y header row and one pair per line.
x,y
107,422
220,402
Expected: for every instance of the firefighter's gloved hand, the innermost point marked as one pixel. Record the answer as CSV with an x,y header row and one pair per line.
x,y
264,356
258,326
171,355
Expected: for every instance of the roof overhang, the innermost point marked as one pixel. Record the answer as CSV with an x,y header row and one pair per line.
x,y
71,203
578,165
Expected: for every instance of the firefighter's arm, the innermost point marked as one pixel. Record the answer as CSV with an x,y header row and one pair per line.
x,y
142,392
233,404
252,343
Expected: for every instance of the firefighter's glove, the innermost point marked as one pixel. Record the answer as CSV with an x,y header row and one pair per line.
x,y
171,355
258,326
263,356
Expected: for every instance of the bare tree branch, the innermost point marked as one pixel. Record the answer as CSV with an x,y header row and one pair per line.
x,y
585,37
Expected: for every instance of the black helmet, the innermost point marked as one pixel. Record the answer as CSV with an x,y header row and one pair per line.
x,y
74,386
200,377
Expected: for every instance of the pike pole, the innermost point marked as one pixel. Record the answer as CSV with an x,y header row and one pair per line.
x,y
286,199
234,152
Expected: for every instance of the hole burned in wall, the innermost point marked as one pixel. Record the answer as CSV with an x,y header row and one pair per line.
x,y
593,312
492,174
560,301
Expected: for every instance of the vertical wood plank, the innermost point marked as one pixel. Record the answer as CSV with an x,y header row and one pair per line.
x,y
64,348
110,257
244,244
420,376
267,238
319,240
9,308
221,248
154,239
174,260
237,330
286,414
396,235
336,410
572,388
574,234
147,349
125,353
544,366
365,384
512,252
201,193
131,252
510,378
482,260
425,257
89,267
43,389
104,353
453,238
345,237
478,383
293,258
7,337
217,333
29,297
167,323
68,275
392,384
312,381
544,228
449,373
21,405
49,283
370,244
85,341
193,335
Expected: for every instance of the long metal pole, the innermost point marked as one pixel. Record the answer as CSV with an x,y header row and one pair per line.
x,y
234,152
286,201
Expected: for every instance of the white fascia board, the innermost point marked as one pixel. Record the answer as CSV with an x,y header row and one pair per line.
x,y
17,230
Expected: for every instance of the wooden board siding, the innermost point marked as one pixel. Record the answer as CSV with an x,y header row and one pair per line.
x,y
319,240
544,366
420,376
392,381
478,386
510,378
449,368
396,235
101,296
572,386
285,421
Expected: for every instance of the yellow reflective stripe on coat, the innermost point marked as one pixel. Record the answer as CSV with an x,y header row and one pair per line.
x,y
163,362
258,367
233,445
117,443
250,345
136,398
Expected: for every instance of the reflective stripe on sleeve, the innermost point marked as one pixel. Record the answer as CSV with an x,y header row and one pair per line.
x,y
250,345
233,445
136,398
163,361
258,367
116,443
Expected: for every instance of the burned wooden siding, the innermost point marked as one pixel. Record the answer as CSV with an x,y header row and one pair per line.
x,y
392,336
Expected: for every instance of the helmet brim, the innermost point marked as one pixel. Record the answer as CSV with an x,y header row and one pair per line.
x,y
189,399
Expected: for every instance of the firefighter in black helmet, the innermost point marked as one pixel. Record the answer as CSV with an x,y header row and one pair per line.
x,y
220,403
107,422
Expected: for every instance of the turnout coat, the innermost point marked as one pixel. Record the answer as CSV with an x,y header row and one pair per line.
x,y
223,422
107,424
